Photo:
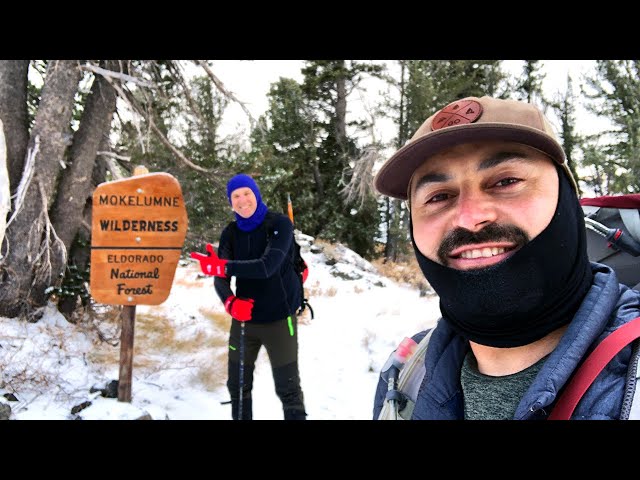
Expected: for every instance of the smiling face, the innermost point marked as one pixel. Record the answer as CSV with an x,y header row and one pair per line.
x,y
244,202
476,204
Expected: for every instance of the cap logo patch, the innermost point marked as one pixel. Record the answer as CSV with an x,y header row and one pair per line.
x,y
457,113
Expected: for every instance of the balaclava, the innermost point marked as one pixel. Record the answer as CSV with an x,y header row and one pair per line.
x,y
247,224
527,296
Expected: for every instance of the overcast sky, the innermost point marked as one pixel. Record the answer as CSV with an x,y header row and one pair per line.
x,y
251,80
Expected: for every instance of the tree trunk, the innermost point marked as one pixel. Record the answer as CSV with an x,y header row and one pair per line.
x,y
390,246
13,113
5,194
25,271
80,252
75,185
341,112
79,257
394,207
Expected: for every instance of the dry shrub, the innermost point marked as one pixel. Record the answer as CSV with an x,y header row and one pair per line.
x,y
191,279
213,375
154,331
312,290
331,291
105,354
329,249
219,319
405,272
315,290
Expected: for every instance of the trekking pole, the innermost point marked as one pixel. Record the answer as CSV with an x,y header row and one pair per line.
x,y
241,382
615,236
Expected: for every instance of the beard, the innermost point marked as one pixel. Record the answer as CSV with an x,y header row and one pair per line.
x,y
491,233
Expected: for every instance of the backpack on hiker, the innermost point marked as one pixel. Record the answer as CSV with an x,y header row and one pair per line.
x,y
613,234
301,270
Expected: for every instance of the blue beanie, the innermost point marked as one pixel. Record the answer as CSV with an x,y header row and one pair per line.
x,y
239,181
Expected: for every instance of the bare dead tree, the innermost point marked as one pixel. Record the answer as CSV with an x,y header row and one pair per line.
x,y
179,75
360,186
107,73
136,107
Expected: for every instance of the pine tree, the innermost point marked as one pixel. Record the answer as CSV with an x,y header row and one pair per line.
x,y
283,154
564,107
529,87
426,86
614,93
327,85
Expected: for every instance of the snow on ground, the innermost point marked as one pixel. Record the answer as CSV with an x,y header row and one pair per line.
x,y
180,350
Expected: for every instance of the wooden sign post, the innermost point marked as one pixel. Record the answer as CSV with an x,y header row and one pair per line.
x,y
138,228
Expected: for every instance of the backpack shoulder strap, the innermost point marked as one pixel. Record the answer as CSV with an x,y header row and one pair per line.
x,y
592,366
409,381
232,236
631,404
269,218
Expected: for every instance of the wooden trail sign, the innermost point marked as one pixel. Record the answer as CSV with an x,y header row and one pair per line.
x,y
138,229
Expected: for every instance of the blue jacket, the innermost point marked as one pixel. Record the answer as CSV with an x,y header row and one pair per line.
x,y
262,263
606,306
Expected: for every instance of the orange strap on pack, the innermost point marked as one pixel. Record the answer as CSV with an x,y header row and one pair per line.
x,y
592,367
290,208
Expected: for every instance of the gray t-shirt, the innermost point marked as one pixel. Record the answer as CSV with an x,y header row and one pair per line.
x,y
493,398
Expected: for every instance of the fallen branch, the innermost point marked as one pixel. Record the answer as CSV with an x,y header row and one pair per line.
x,y
119,75
133,104
27,175
114,155
220,86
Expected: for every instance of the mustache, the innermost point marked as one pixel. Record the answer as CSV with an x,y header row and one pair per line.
x,y
491,233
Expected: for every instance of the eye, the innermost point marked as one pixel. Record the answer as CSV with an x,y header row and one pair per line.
x,y
438,197
506,182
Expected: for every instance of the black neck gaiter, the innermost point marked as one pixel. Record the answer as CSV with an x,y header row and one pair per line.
x,y
525,297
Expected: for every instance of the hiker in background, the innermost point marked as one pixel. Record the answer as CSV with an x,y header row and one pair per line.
x,y
257,249
499,234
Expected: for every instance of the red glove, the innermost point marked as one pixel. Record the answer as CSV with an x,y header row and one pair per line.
x,y
239,308
305,273
210,264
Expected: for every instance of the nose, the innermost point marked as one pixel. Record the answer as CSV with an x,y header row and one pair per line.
x,y
475,210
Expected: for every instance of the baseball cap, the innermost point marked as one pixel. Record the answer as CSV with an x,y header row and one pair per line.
x,y
467,120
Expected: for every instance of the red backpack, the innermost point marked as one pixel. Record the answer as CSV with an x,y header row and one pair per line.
x,y
613,234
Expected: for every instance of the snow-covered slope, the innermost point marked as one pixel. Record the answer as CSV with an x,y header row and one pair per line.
x,y
180,350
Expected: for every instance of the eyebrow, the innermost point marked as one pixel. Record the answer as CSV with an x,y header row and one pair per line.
x,y
501,157
491,161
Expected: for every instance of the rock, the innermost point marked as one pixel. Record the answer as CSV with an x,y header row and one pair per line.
x,y
5,411
111,390
316,249
10,396
345,274
79,408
